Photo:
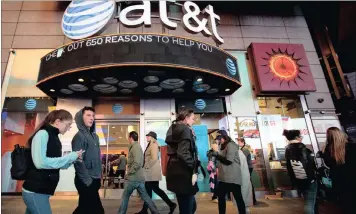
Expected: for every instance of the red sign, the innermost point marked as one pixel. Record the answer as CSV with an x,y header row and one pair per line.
x,y
281,68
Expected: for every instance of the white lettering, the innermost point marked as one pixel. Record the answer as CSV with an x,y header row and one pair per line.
x,y
158,38
165,39
144,19
114,39
134,38
193,14
213,23
163,14
108,39
175,40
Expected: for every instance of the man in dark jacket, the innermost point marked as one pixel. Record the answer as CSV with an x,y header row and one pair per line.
x,y
88,171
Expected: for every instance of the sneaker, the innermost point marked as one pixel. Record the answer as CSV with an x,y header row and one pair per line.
x,y
172,208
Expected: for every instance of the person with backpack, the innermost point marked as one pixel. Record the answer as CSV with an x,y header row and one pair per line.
x,y
302,169
46,160
340,156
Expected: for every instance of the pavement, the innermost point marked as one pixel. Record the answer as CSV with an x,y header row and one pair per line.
x,y
66,205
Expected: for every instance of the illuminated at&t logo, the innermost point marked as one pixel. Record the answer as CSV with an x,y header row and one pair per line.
x,y
200,104
231,66
85,18
117,108
30,104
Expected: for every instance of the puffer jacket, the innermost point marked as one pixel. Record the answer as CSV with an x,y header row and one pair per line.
x,y
300,164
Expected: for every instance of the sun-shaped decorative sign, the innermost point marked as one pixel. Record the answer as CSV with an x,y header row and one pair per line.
x,y
281,67
284,67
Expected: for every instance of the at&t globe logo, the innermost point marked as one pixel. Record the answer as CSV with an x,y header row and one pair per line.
x,y
117,108
231,66
85,18
200,104
30,104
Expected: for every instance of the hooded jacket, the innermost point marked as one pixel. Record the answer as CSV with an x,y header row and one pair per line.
x,y
182,161
300,164
86,139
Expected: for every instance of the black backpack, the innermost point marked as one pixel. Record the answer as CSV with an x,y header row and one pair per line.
x,y
20,160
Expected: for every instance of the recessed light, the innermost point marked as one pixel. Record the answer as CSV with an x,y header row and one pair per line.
x,y
81,80
120,137
199,79
52,90
113,127
228,89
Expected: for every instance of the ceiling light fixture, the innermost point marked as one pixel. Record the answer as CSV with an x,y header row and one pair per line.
x,y
52,90
228,89
199,80
81,80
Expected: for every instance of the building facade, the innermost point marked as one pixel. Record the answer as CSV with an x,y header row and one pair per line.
x,y
32,30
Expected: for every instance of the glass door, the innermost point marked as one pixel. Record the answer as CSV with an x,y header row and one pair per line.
x,y
277,114
114,144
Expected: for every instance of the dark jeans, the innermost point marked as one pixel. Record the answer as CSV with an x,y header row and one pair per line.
x,y
225,188
253,188
122,174
187,204
140,187
154,186
310,194
89,199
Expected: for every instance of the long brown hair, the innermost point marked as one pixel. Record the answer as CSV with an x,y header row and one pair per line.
x,y
336,140
50,119
183,114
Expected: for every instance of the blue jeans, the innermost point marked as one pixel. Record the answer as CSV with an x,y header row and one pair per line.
x,y
140,187
187,204
310,194
36,203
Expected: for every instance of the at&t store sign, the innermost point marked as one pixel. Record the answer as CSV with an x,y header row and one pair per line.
x,y
85,18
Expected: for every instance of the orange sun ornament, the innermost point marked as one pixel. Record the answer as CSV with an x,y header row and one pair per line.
x,y
284,67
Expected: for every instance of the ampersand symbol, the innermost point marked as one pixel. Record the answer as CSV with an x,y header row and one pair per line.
x,y
193,14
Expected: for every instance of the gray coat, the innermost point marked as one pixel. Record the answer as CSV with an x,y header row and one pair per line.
x,y
152,167
230,173
86,139
135,162
122,162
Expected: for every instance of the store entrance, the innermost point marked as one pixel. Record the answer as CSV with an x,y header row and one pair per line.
x,y
113,137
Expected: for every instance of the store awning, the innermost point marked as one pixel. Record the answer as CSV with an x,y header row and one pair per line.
x,y
140,65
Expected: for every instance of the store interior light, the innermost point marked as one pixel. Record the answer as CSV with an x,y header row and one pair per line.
x,y
52,90
199,79
113,127
81,80
228,89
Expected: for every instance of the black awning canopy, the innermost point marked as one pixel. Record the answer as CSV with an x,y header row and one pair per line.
x,y
138,65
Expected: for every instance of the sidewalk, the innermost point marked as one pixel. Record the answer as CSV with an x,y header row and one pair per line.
x,y
66,205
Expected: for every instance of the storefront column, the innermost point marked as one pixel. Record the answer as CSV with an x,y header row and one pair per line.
x,y
66,182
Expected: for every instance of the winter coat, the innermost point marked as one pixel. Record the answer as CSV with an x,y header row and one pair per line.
x,y
152,166
230,172
182,161
246,187
300,164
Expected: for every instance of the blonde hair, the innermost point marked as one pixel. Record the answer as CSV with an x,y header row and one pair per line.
x,y
336,139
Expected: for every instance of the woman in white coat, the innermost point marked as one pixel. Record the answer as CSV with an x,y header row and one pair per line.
x,y
153,172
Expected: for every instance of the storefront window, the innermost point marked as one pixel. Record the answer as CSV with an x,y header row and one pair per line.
x,y
277,114
247,128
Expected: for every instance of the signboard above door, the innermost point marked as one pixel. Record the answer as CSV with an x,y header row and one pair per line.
x,y
84,19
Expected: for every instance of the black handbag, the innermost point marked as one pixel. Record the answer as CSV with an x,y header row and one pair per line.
x,y
20,159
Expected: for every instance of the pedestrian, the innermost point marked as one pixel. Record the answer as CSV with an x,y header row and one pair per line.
x,y
182,167
43,169
135,177
340,156
230,178
301,169
121,170
247,153
212,170
153,173
88,172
